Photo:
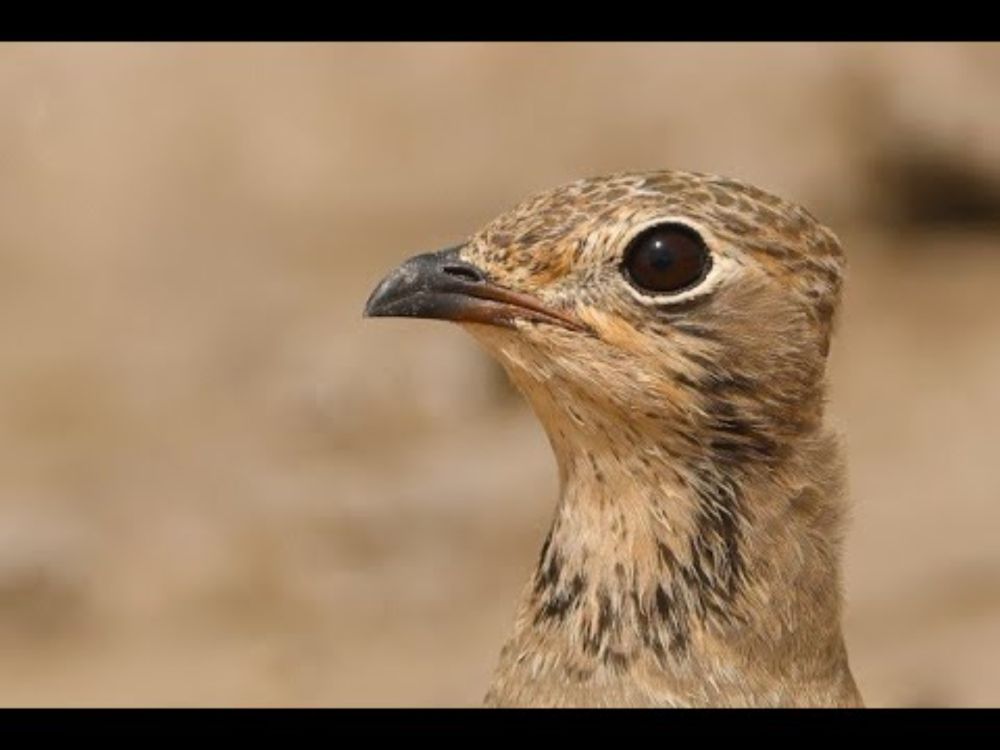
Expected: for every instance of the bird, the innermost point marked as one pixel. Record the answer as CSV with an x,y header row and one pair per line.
x,y
670,330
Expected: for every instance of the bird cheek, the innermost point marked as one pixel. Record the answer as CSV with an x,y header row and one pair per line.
x,y
613,330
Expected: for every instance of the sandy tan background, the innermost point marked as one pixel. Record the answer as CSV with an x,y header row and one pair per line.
x,y
219,486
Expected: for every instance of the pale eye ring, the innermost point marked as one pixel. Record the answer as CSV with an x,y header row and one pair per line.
x,y
666,258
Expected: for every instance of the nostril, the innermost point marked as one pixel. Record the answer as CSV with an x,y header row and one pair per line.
x,y
464,271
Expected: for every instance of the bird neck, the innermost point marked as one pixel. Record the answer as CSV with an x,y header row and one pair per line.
x,y
672,574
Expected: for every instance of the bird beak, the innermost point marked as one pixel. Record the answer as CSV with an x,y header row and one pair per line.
x,y
443,286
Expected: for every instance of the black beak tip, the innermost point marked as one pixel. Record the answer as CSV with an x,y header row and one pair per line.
x,y
385,299
417,288
372,306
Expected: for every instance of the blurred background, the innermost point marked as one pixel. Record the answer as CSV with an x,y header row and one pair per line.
x,y
219,486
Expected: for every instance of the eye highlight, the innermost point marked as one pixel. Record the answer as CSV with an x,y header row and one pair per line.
x,y
666,258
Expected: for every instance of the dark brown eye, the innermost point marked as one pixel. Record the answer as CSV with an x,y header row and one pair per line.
x,y
666,258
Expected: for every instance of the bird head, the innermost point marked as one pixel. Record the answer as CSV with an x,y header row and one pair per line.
x,y
690,309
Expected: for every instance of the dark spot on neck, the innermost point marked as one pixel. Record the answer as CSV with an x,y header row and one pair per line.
x,y
559,601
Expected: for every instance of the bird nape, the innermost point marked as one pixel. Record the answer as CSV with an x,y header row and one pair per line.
x,y
670,330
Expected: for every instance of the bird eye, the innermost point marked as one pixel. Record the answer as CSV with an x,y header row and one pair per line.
x,y
666,258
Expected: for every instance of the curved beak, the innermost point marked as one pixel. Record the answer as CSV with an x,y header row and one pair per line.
x,y
442,286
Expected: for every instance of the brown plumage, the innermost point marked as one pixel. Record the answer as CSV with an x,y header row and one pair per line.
x,y
670,330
